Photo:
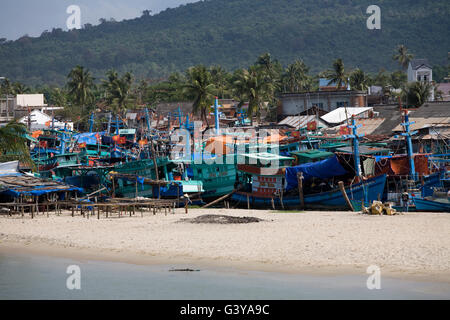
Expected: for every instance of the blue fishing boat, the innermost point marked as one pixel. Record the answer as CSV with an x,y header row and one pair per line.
x,y
434,205
327,200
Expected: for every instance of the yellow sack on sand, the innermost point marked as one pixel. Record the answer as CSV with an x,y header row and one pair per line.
x,y
377,207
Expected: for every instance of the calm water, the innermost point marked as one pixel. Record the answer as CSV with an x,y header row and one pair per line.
x,y
41,277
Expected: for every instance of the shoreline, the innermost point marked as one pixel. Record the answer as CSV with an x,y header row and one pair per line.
x,y
32,240
135,258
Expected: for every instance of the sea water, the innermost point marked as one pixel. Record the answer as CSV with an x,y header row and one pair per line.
x,y
27,276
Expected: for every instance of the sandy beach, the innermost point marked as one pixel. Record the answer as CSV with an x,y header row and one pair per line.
x,y
410,245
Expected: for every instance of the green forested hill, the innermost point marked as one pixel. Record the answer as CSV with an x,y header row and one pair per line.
x,y
233,33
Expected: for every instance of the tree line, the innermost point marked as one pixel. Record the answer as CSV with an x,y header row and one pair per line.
x,y
259,85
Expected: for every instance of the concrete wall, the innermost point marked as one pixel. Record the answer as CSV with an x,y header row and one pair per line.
x,y
293,104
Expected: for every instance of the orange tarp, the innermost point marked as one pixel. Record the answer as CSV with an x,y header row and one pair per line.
x,y
400,165
218,145
37,133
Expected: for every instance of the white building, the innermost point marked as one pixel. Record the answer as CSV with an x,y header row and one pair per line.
x,y
32,101
341,115
421,70
39,120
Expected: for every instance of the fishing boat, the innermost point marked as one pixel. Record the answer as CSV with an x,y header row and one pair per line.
x,y
176,184
217,179
264,186
432,204
333,199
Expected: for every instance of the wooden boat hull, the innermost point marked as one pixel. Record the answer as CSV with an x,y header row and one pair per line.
x,y
431,205
330,199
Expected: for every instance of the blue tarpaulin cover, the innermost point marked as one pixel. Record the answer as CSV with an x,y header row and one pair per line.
x,y
324,169
38,191
87,137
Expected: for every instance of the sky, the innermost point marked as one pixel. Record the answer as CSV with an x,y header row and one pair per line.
x,y
32,17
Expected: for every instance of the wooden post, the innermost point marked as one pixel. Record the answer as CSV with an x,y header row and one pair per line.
x,y
113,188
341,186
178,194
248,202
155,165
300,189
281,199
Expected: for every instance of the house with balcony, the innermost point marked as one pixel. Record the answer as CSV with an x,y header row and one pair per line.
x,y
422,71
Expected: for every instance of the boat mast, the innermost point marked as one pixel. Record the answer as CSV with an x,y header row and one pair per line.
x,y
216,114
355,141
53,119
109,123
407,134
91,122
147,119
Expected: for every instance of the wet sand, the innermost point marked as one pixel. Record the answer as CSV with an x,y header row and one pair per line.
x,y
414,245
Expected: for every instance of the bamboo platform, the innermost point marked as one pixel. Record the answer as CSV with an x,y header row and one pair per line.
x,y
114,208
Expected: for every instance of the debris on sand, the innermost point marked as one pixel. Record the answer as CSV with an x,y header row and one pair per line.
x,y
184,270
221,219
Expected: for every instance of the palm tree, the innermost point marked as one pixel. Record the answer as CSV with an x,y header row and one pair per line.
x,y
121,94
108,84
359,80
271,69
252,85
438,94
20,88
265,60
220,78
398,79
296,77
58,97
199,86
417,93
337,74
6,87
13,143
141,90
118,91
80,84
402,56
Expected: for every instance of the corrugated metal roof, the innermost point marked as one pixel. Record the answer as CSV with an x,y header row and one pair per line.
x,y
422,123
342,114
299,122
368,125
